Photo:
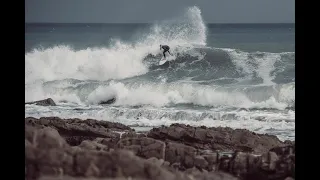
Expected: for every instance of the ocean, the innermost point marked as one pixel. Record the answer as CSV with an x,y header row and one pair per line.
x,y
234,75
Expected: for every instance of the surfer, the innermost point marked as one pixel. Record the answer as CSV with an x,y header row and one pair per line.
x,y
165,49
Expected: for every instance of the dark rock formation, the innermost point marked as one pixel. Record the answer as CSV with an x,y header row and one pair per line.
x,y
144,147
45,102
109,101
75,130
224,139
187,153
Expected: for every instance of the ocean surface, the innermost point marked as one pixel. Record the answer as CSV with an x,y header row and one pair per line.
x,y
235,75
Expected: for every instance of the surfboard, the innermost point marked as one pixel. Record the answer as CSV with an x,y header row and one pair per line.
x,y
162,60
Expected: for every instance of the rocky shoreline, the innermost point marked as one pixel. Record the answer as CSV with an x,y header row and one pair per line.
x,y
90,149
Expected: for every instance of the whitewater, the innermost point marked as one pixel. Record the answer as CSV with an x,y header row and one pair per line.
x,y
202,84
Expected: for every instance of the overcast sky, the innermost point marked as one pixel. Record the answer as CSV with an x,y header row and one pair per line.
x,y
146,11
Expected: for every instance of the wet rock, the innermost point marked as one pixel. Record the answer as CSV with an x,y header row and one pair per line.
x,y
109,101
156,161
68,124
192,171
268,161
239,165
213,176
219,138
98,153
166,164
45,102
285,151
64,160
92,145
108,142
212,159
200,162
286,162
44,138
47,162
180,153
75,130
144,147
249,166
288,142
132,134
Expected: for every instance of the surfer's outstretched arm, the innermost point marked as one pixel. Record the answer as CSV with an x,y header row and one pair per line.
x,y
169,52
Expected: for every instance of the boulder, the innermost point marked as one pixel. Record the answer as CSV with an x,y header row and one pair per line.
x,y
45,102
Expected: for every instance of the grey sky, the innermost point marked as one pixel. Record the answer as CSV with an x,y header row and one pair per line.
x,y
136,11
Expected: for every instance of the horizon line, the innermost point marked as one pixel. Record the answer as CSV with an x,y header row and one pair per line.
x,y
147,23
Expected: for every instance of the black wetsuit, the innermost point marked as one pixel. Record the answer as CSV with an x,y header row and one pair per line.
x,y
165,49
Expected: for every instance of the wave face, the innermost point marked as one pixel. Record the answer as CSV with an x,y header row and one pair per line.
x,y
201,84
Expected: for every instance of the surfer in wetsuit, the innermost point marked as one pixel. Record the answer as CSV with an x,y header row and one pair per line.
x,y
165,49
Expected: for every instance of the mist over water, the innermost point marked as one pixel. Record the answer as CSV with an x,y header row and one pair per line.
x,y
202,84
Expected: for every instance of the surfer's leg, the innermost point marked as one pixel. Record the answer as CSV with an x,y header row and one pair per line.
x,y
164,54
